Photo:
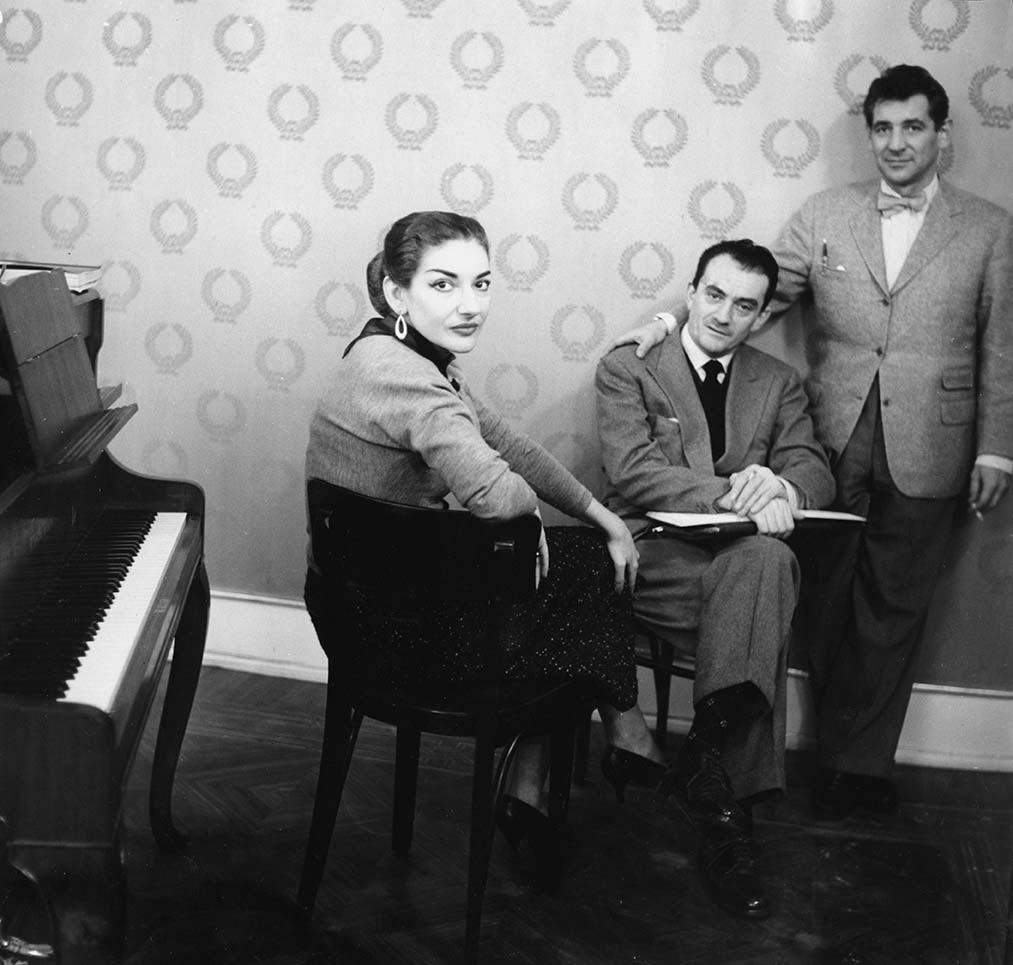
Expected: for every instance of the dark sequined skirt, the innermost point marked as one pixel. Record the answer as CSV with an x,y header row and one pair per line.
x,y
578,628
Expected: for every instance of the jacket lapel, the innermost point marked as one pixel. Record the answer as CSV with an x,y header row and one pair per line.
x,y
671,373
936,232
746,391
868,235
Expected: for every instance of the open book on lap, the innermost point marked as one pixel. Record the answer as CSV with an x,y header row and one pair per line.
x,y
709,525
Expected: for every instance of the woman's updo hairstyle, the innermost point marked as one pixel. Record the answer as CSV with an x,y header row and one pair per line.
x,y
407,242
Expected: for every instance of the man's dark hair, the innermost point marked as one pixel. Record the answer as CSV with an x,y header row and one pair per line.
x,y
746,254
903,81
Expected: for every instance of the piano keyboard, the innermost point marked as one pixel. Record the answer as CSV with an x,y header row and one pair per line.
x,y
72,640
99,674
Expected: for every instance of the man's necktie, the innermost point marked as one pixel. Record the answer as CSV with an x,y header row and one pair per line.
x,y
890,204
712,395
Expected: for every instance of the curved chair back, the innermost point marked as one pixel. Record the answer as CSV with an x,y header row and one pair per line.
x,y
409,554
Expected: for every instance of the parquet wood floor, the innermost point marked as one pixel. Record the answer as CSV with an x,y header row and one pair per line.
x,y
930,886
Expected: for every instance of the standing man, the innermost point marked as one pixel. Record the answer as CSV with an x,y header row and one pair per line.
x,y
910,348
707,424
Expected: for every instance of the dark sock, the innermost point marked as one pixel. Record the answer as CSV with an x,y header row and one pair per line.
x,y
719,713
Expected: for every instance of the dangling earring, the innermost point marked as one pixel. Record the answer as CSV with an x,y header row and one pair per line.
x,y
401,328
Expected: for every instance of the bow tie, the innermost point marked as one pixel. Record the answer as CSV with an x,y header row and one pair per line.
x,y
891,204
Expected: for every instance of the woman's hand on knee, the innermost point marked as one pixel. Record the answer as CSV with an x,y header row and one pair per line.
x,y
625,557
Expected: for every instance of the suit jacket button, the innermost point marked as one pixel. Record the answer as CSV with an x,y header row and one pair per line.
x,y
886,301
886,402
879,352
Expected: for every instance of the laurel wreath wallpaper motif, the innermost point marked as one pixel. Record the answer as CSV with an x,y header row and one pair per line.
x,y
235,164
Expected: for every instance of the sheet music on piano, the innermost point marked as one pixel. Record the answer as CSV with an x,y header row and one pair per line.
x,y
80,278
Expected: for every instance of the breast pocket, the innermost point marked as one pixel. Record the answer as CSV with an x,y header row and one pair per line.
x,y
667,434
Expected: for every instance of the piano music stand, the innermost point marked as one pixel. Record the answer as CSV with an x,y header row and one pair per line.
x,y
51,375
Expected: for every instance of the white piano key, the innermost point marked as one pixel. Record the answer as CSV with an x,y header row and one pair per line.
x,y
100,674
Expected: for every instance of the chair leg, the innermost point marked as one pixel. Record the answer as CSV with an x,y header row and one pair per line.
x,y
662,654
406,774
480,849
503,767
341,728
582,750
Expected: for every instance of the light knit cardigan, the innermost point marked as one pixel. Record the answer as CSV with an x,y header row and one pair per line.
x,y
392,426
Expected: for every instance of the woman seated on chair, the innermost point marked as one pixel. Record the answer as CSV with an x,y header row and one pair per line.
x,y
399,423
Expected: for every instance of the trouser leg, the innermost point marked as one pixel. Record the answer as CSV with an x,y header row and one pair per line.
x,y
740,596
900,553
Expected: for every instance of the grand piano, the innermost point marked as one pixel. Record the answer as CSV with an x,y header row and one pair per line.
x,y
101,573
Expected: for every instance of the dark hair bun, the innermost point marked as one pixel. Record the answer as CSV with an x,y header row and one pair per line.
x,y
374,285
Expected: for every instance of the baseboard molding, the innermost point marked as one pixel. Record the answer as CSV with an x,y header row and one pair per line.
x,y
945,727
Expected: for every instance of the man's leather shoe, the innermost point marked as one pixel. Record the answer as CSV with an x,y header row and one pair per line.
x,y
727,866
726,858
703,790
840,793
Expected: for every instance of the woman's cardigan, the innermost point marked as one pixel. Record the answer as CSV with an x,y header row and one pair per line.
x,y
394,426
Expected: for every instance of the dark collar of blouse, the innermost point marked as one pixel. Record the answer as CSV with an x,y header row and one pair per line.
x,y
440,357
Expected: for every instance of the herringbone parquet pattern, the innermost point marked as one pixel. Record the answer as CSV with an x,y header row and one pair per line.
x,y
928,887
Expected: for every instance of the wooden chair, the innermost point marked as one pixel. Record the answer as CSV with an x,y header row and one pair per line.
x,y
408,562
666,660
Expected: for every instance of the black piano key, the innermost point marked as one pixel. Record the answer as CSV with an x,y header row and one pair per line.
x,y
57,604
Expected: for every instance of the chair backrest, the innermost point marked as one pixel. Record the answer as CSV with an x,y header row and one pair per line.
x,y
413,563
410,553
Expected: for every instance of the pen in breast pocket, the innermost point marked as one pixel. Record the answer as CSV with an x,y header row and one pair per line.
x,y
825,256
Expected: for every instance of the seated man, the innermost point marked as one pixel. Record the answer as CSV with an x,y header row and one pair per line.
x,y
709,424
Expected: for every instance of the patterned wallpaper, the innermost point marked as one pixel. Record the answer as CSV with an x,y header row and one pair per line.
x,y
235,164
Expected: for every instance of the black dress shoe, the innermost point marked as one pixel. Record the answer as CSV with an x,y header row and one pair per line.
x,y
621,767
521,822
726,859
702,789
840,793
727,863
518,820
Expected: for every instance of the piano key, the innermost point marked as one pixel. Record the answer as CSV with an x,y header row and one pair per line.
x,y
98,677
57,608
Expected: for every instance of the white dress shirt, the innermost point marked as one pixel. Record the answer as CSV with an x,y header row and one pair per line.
x,y
900,230
698,358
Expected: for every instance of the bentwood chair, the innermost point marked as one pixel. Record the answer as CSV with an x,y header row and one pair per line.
x,y
385,562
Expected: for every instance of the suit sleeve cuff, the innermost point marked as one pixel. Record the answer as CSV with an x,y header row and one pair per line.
x,y
995,462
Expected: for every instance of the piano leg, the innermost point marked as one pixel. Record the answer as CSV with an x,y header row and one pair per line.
x,y
184,671
85,894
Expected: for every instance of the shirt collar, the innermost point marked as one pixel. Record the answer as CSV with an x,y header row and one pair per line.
x,y
440,357
698,358
931,190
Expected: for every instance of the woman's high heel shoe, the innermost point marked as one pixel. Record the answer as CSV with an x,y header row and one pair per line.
x,y
620,767
519,821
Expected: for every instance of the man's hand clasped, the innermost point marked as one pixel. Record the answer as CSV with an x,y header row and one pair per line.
x,y
758,494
